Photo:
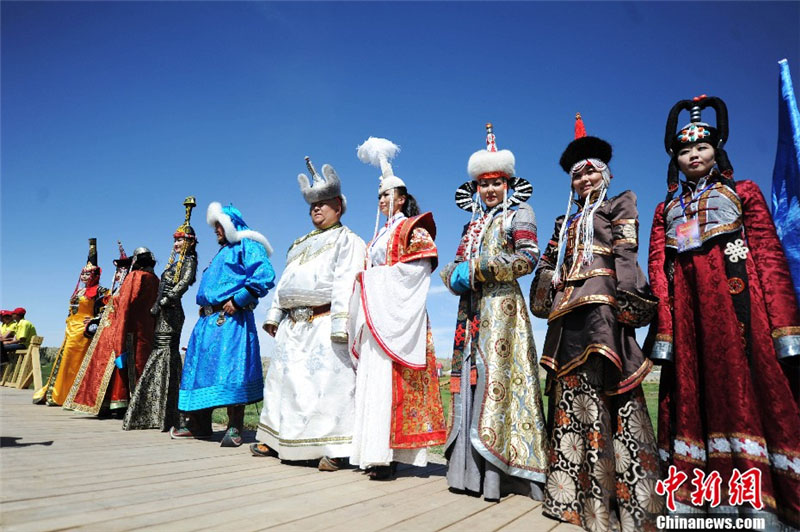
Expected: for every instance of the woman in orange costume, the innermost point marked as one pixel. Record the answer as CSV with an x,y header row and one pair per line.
x,y
85,304
113,364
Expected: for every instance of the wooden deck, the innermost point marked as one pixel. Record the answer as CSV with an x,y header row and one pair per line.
x,y
62,470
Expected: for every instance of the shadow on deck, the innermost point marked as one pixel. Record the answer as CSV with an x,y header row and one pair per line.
x,y
63,470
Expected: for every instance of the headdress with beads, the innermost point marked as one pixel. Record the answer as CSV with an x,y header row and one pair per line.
x,y
583,151
697,131
321,187
124,260
184,231
123,263
379,152
491,163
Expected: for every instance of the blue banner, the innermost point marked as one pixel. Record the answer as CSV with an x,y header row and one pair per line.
x,y
786,175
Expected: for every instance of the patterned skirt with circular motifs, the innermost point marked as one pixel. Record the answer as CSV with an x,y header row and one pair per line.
x,y
603,459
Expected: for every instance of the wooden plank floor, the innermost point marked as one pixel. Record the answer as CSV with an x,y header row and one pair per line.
x,y
62,470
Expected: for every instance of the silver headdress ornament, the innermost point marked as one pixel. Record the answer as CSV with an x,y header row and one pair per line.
x,y
379,152
321,187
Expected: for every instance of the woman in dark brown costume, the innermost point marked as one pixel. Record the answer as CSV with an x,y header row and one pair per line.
x,y
603,463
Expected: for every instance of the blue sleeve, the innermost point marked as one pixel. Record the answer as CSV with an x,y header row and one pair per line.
x,y
459,279
259,275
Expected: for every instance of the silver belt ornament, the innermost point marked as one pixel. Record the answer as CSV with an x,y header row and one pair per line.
x,y
208,310
298,314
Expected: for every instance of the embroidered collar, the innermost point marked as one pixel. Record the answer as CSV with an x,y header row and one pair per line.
x,y
382,235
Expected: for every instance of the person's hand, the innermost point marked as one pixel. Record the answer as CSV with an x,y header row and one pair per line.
x,y
229,308
271,329
86,320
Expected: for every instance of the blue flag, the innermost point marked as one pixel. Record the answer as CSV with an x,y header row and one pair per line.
x,y
786,176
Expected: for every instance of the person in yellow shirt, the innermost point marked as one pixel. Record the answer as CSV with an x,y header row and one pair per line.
x,y
8,325
7,329
24,330
20,337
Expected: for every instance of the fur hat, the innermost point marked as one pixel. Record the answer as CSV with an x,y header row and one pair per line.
x,y
584,148
319,188
491,163
233,225
379,152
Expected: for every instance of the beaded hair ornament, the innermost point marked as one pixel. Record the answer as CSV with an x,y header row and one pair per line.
x,y
697,131
585,151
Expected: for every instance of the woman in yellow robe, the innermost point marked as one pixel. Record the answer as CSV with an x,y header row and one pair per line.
x,y
85,304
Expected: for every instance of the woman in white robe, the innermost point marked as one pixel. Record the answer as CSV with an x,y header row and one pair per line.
x,y
398,412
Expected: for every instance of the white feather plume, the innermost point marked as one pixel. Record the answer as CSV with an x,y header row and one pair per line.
x,y
375,149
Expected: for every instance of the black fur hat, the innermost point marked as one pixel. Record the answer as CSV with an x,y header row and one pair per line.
x,y
585,148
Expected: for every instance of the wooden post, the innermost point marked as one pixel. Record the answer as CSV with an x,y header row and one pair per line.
x,y
36,362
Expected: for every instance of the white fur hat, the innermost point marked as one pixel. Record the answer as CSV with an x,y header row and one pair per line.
x,y
491,161
379,152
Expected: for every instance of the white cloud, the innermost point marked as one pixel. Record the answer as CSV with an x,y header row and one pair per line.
x,y
438,289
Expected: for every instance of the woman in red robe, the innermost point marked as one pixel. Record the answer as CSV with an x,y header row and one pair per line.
x,y
727,333
110,370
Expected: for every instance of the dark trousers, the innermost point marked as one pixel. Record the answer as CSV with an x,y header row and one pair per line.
x,y
9,348
199,421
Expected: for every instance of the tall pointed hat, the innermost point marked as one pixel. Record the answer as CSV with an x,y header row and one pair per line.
x,y
91,261
185,230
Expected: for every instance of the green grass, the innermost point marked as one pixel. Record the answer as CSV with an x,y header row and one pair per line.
x,y
46,367
252,412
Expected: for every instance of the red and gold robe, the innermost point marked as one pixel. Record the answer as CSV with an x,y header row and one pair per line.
x,y
127,327
417,418
728,333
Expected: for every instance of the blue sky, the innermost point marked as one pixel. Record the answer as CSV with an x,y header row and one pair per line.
x,y
113,112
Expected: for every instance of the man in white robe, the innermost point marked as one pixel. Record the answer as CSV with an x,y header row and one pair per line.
x,y
310,385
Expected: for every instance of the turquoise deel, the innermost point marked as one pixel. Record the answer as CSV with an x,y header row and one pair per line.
x,y
223,362
459,281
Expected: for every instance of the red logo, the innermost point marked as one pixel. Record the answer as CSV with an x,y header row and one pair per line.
x,y
670,485
706,488
745,487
